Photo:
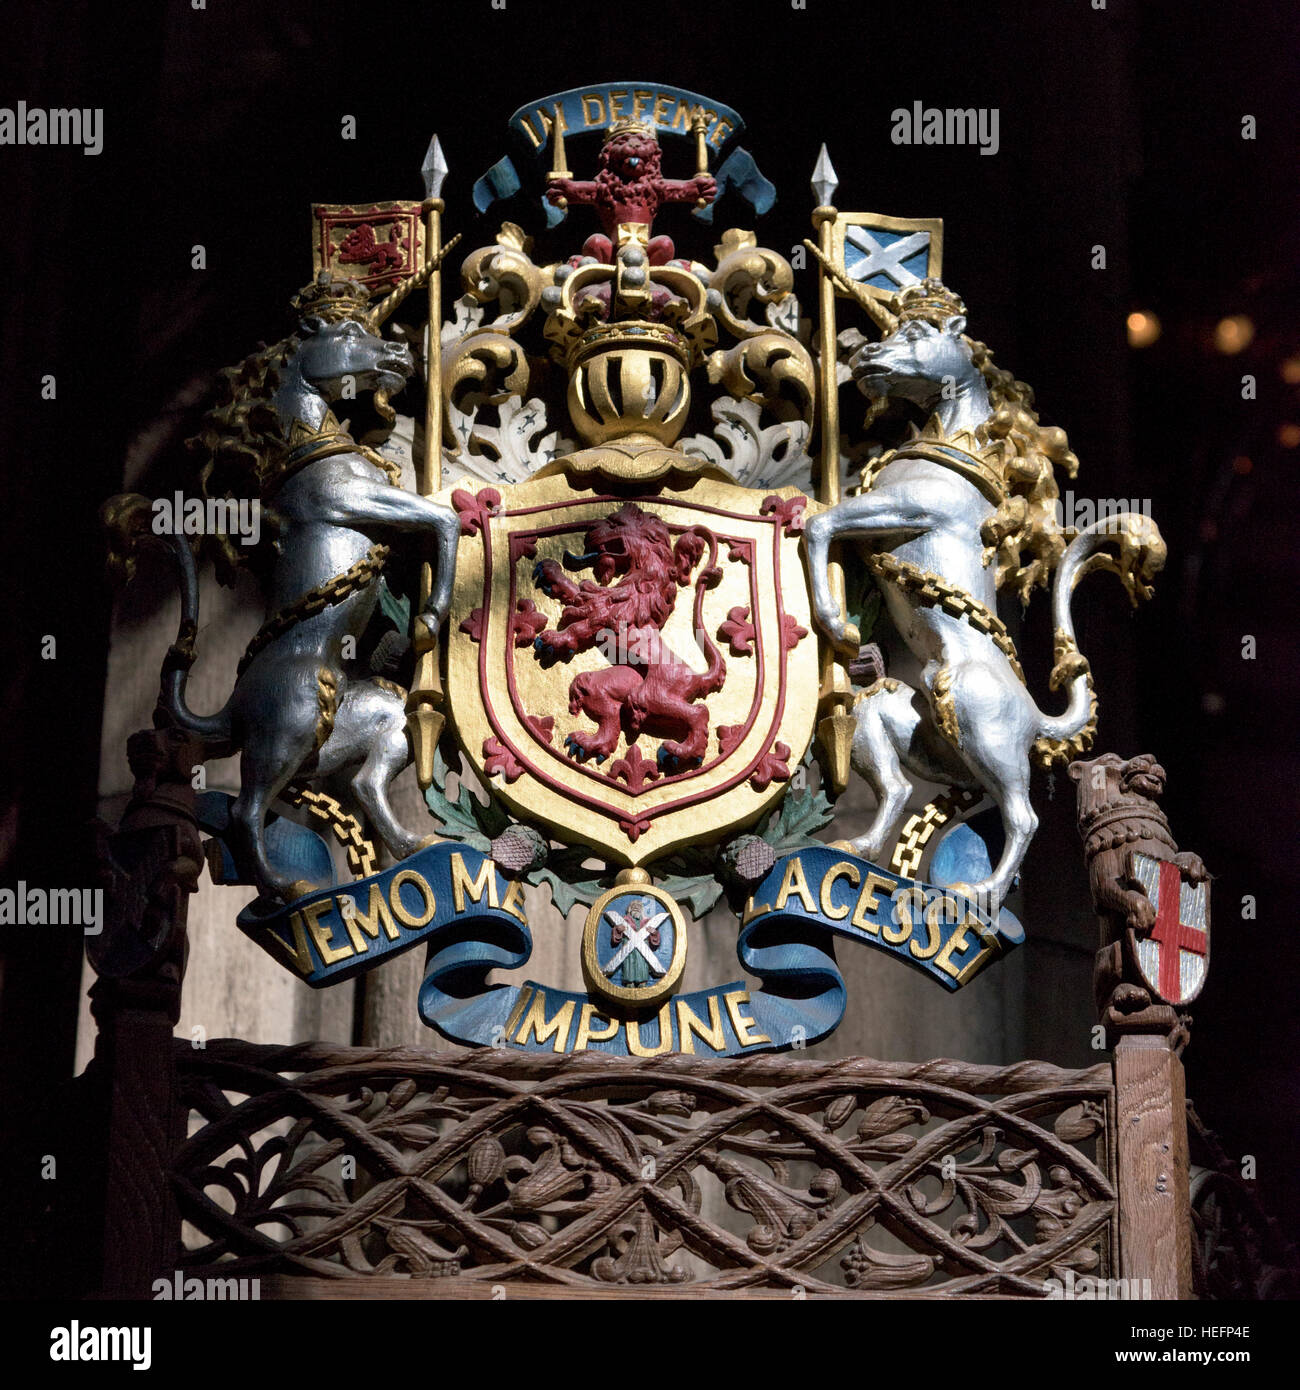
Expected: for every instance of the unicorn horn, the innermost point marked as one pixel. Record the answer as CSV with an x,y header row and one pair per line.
x,y
875,310
385,307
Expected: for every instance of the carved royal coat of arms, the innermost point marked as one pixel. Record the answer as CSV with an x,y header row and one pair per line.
x,y
621,562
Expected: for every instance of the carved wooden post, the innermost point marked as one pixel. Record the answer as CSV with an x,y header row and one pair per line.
x,y
1150,966
152,865
143,1128
1154,1203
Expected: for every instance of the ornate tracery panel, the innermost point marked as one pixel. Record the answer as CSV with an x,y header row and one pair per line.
x,y
579,1172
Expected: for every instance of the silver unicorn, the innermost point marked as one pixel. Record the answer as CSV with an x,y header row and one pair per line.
x,y
296,711
974,486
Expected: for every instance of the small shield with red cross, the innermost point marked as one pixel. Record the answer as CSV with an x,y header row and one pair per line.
x,y
1175,955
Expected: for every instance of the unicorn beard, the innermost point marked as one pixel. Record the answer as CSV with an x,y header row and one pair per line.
x,y
876,406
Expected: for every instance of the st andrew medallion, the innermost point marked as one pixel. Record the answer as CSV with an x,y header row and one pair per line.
x,y
634,944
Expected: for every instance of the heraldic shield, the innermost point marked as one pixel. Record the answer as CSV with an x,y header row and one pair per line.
x,y
634,667
1174,956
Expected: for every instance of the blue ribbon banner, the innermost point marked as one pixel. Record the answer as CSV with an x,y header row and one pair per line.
x,y
471,918
739,171
667,109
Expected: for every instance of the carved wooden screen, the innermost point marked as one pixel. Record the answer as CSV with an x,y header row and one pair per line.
x,y
583,1174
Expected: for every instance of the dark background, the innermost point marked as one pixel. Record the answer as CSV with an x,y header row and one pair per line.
x,y
1119,127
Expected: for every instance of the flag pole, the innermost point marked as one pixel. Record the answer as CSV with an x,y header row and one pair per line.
x,y
834,702
424,716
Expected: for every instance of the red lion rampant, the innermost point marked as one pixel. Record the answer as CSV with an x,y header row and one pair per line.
x,y
648,687
630,187
361,247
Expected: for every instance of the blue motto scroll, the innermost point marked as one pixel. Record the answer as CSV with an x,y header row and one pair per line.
x,y
471,919
667,110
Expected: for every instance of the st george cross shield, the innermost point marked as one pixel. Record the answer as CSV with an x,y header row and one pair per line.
x,y
887,254
1174,956
633,666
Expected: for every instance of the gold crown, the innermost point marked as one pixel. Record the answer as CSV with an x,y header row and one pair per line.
x,y
332,298
931,300
632,334
627,126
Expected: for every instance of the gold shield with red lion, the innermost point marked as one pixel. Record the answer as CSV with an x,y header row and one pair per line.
x,y
634,667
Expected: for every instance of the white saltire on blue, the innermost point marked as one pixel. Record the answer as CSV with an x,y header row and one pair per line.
x,y
883,259
637,939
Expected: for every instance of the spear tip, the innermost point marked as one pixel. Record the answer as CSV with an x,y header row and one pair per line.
x,y
434,169
824,180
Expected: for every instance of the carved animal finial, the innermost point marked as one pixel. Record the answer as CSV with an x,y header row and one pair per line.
x,y
1154,920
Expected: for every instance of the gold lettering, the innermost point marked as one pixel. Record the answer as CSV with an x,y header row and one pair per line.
x,y
898,931
322,933
593,103
299,954
660,114
639,101
514,903
525,994
689,1022
586,1033
375,916
751,911
991,946
954,946
535,1022
409,919
682,117
720,133
742,1023
936,936
837,871
634,1043
486,882
532,134
868,902
795,881
617,110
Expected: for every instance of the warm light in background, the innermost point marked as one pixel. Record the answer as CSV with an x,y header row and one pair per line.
x,y
1288,435
1291,371
1242,464
1143,329
1234,334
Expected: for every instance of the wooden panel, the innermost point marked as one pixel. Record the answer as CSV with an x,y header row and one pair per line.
x,y
591,1174
1156,1242
475,1290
